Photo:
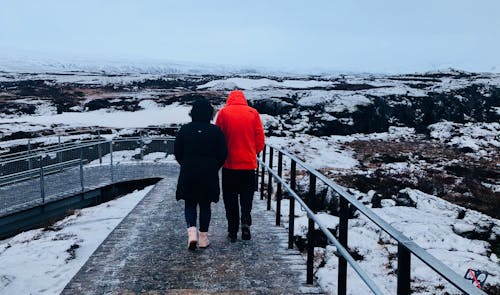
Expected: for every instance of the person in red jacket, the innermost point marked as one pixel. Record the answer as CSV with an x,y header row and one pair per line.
x,y
244,135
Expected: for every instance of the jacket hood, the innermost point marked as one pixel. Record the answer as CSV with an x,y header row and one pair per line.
x,y
202,110
236,97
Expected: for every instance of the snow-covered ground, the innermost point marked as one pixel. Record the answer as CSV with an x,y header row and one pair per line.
x,y
43,261
433,224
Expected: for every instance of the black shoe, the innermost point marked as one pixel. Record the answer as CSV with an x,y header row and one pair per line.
x,y
245,232
231,237
192,246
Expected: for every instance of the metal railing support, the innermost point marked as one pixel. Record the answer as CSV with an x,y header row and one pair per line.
x,y
30,165
99,152
343,229
270,180
310,230
256,188
278,190
404,262
291,214
42,184
59,153
262,174
111,160
81,169
142,146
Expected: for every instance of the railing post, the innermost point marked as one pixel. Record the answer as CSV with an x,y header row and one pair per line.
x,y
262,175
270,179
99,152
81,168
291,215
42,183
404,262
310,230
59,147
111,160
343,229
142,147
29,156
256,188
278,190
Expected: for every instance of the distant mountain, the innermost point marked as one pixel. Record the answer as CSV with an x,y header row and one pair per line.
x,y
27,64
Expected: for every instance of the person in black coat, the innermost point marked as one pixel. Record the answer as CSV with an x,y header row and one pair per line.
x,y
200,148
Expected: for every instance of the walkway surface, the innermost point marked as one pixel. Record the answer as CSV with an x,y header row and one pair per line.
x,y
147,254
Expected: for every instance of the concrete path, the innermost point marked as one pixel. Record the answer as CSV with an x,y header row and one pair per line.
x,y
147,254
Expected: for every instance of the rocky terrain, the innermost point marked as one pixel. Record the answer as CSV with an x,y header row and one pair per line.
x,y
380,136
452,151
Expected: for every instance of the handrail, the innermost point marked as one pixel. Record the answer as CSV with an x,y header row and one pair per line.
x,y
31,171
405,243
39,165
83,132
362,274
36,154
16,155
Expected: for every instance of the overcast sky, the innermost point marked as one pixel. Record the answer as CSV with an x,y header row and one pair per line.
x,y
348,35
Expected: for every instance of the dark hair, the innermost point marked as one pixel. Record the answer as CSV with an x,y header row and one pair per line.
x,y
202,110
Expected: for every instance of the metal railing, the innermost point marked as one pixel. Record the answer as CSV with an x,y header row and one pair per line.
x,y
41,172
406,247
66,139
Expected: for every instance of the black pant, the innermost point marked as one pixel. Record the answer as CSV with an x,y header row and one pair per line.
x,y
237,190
190,213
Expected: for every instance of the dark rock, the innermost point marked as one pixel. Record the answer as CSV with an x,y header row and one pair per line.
x,y
404,199
377,200
97,104
271,106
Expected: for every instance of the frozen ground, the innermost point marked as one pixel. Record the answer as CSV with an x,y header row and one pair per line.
x,y
436,225
42,261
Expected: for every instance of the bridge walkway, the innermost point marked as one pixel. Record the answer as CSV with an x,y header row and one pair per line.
x,y
147,254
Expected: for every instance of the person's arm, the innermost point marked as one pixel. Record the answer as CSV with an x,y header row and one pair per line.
x,y
219,121
221,148
179,147
259,135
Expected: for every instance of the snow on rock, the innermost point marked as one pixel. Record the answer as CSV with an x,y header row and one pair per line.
x,y
239,83
474,136
148,104
109,118
263,83
319,152
434,226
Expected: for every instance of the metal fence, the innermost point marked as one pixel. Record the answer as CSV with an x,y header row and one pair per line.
x,y
347,202
49,173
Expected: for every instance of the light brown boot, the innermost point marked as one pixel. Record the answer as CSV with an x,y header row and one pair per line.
x,y
192,239
204,242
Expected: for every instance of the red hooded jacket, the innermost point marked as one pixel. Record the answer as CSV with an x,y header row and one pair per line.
x,y
243,131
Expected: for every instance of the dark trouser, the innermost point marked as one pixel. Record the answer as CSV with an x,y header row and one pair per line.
x,y
237,190
190,214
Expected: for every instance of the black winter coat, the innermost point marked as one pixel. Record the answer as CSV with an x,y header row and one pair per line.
x,y
200,148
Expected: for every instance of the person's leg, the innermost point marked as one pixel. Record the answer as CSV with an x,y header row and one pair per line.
x,y
246,199
190,215
232,213
205,214
190,212
231,205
